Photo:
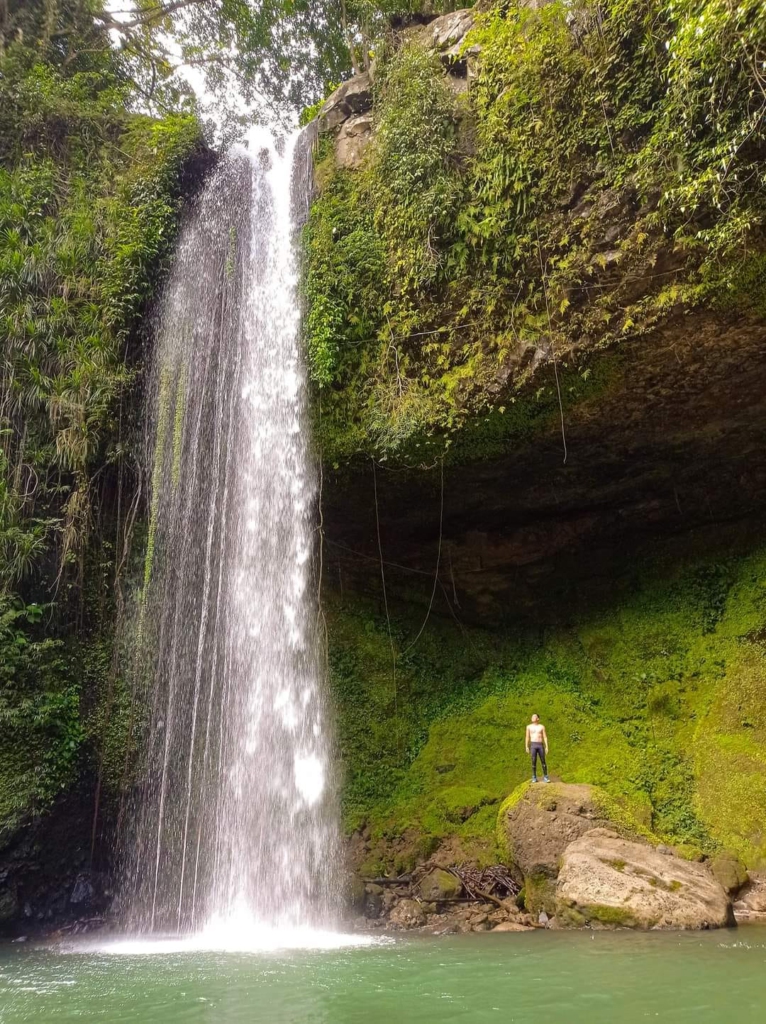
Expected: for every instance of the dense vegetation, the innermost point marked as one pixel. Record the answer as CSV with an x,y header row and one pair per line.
x,y
659,698
89,197
603,171
97,131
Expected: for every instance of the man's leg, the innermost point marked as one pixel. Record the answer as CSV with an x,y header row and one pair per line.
x,y
535,755
545,766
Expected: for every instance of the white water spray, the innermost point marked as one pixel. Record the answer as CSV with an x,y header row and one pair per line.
x,y
236,822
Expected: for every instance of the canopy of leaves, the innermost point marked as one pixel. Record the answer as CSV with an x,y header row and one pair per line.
x,y
256,59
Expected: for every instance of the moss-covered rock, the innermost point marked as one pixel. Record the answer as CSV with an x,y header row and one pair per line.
x,y
538,822
439,885
561,204
651,697
729,871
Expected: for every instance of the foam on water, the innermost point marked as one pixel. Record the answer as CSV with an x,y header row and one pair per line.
x,y
222,937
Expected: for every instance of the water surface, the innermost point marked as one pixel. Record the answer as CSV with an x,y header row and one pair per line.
x,y
598,978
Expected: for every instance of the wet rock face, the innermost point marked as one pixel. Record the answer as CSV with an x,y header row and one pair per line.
x,y
608,881
9,905
672,444
46,882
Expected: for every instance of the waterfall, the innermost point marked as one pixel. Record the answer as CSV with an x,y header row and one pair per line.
x,y
235,822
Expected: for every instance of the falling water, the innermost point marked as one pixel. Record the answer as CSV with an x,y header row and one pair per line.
x,y
236,816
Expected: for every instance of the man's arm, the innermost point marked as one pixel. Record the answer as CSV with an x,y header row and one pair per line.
x,y
545,739
526,740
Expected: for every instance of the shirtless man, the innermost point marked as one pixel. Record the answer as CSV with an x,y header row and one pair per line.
x,y
536,743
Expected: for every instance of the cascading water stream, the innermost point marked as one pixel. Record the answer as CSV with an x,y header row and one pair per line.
x,y
236,818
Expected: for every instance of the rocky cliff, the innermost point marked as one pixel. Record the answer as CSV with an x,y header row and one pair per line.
x,y
537,339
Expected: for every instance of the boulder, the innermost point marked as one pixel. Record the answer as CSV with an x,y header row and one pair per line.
x,y
350,99
352,139
750,904
407,914
439,885
448,32
606,880
445,34
730,871
541,822
512,926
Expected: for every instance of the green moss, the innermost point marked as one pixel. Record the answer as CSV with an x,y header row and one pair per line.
x,y
449,738
89,203
615,917
529,216
539,895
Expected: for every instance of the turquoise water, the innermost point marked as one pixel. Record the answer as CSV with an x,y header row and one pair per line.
x,y
541,977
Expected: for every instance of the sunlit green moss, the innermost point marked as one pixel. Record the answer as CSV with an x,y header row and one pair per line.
x,y
658,700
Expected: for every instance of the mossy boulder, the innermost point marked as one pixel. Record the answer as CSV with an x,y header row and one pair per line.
x,y
608,881
439,885
538,822
539,894
729,870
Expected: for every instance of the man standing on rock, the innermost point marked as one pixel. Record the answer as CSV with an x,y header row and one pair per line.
x,y
537,745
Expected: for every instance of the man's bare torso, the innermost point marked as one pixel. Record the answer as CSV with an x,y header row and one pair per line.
x,y
536,732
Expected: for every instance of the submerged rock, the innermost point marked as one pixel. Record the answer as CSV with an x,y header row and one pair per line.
x,y
608,881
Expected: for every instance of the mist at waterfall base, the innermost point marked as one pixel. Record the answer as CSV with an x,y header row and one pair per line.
x,y
233,842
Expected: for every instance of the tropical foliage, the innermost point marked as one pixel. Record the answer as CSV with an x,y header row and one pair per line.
x,y
89,197
604,168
